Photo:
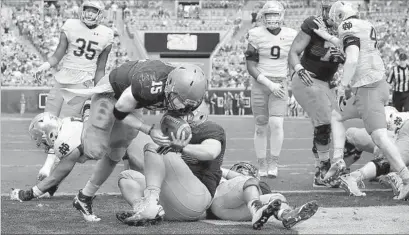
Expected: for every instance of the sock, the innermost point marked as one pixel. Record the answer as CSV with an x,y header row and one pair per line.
x,y
152,192
90,189
338,154
323,155
285,208
253,205
37,192
404,174
358,174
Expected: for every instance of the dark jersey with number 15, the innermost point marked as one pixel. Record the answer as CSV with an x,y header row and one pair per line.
x,y
316,57
147,79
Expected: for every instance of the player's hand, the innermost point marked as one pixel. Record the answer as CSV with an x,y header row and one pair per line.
x,y
43,173
336,56
179,142
277,89
158,137
38,75
305,77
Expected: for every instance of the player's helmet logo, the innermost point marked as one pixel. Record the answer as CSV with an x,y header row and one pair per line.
x,y
272,15
44,129
341,11
91,12
185,88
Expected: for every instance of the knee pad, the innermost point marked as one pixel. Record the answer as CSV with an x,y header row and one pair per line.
x,y
261,130
382,166
150,147
322,134
131,174
351,150
101,112
251,182
261,120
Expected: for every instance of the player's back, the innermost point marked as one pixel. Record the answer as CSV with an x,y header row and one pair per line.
x,y
85,44
273,49
69,136
370,66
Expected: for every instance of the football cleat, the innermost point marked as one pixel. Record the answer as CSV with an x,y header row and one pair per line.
x,y
290,218
272,167
264,212
320,172
262,167
146,212
392,180
337,168
83,204
351,185
403,193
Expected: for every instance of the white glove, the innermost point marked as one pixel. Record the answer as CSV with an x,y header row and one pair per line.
x,y
43,173
39,72
277,89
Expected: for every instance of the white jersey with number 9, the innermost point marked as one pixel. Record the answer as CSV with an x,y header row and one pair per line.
x,y
85,44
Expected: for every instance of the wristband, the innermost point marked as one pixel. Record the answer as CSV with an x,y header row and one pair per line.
x,y
298,67
150,129
44,66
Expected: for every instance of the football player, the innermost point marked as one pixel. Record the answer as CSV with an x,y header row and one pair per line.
x,y
243,197
364,71
358,140
116,116
176,185
64,137
266,56
312,83
84,47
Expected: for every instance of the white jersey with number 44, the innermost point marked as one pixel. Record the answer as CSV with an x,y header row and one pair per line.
x,y
370,66
85,44
272,49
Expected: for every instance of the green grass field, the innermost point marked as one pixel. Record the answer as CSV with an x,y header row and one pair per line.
x,y
338,213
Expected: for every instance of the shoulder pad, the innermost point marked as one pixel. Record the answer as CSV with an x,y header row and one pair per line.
x,y
253,36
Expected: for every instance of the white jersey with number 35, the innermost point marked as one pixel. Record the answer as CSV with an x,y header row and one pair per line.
x,y
370,66
85,44
272,49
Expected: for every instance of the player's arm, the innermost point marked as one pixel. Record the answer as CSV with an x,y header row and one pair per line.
x,y
57,56
208,150
124,106
228,174
101,64
391,76
252,58
299,44
351,48
57,175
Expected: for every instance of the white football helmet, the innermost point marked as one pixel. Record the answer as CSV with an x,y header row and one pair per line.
x,y
341,11
44,129
92,17
272,15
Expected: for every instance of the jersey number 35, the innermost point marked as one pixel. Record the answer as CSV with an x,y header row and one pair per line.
x,y
85,47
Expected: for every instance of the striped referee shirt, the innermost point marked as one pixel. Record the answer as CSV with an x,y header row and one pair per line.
x,y
399,78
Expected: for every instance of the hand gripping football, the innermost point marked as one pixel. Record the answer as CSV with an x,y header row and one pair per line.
x,y
177,125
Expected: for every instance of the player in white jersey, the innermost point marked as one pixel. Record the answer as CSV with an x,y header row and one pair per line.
x,y
365,73
266,58
83,48
360,140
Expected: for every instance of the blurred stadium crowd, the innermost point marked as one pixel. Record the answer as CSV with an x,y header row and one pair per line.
x,y
31,32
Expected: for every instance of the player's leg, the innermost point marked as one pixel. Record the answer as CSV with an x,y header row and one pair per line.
x,y
357,141
259,106
74,109
238,199
373,97
277,108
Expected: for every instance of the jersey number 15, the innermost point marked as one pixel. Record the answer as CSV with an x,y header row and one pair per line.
x,y
85,46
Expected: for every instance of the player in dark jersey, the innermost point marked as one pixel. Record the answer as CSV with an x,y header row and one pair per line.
x,y
116,117
311,84
183,181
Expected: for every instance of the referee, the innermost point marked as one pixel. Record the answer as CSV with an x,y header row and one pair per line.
x,y
399,79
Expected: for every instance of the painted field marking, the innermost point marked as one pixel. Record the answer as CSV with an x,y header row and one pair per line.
x,y
229,149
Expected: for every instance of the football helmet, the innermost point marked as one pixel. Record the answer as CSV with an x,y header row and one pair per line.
x,y
44,129
272,15
341,11
90,17
246,168
185,88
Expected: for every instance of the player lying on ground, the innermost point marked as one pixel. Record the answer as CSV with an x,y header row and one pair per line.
x,y
64,137
360,140
312,84
176,185
83,47
364,71
242,197
266,58
116,113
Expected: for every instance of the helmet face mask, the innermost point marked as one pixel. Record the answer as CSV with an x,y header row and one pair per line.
x,y
272,15
341,11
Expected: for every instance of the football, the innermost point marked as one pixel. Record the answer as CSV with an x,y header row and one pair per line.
x,y
169,124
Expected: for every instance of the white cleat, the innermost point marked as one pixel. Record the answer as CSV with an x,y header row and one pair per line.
x,y
337,168
272,167
350,185
262,167
393,181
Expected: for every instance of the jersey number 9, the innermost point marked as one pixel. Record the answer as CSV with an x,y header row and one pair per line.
x,y
84,46
275,52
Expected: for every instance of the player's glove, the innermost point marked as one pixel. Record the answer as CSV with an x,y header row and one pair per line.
x,y
304,75
21,195
336,56
277,89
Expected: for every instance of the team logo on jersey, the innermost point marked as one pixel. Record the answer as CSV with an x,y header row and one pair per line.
x,y
64,148
398,121
347,25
